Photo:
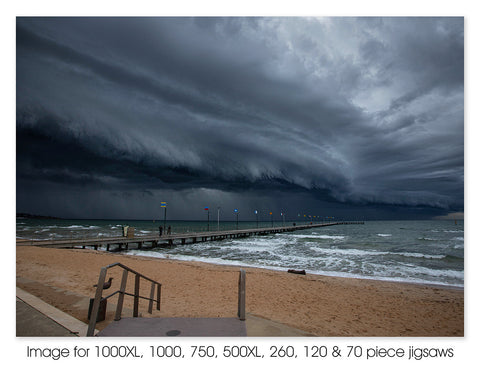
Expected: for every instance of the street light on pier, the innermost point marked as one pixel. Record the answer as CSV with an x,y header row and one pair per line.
x,y
218,218
208,218
271,218
256,214
164,205
236,212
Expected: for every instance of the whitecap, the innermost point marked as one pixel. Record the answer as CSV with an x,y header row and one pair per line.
x,y
348,252
335,237
421,255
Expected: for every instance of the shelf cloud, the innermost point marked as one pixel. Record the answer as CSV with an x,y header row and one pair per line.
x,y
351,116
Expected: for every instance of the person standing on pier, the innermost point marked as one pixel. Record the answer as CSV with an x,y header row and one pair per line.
x,y
169,230
160,230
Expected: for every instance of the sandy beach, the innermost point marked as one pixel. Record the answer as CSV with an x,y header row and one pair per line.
x,y
318,305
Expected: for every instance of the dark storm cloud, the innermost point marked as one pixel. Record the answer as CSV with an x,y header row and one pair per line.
x,y
351,111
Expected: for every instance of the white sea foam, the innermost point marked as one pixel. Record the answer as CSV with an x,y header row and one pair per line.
x,y
42,230
348,252
333,266
84,227
420,255
384,235
420,270
334,237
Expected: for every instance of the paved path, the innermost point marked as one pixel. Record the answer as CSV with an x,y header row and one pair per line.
x,y
30,322
176,327
34,317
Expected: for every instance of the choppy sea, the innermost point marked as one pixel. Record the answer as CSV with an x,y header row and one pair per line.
x,y
429,252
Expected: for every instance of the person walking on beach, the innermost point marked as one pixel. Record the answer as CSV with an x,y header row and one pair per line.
x,y
160,230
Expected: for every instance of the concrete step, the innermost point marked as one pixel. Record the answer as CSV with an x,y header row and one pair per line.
x,y
135,327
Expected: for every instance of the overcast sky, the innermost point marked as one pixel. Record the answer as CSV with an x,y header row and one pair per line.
x,y
351,117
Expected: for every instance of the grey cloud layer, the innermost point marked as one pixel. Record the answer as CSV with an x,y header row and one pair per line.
x,y
366,110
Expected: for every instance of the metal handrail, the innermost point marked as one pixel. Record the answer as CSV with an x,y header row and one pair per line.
x,y
122,293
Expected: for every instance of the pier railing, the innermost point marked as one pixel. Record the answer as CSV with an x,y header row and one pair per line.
x,y
155,286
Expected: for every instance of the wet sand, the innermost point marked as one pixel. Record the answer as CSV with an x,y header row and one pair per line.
x,y
318,305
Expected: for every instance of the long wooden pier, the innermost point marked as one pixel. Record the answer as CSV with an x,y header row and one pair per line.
x,y
148,242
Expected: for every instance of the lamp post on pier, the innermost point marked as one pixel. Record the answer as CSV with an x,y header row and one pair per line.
x,y
208,218
164,205
256,214
236,212
218,218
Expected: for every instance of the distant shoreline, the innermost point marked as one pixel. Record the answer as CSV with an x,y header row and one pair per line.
x,y
31,216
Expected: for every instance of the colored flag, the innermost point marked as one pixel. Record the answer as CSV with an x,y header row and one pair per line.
x,y
163,204
206,208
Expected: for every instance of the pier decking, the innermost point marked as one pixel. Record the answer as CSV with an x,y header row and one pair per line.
x,y
140,242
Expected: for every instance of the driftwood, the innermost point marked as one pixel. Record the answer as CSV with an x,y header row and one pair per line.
x,y
298,272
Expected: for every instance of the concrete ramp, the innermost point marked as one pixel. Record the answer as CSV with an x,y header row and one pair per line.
x,y
142,327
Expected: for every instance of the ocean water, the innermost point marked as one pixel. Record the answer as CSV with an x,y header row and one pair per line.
x,y
429,252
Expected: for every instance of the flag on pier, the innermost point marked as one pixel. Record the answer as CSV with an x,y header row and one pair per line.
x,y
163,204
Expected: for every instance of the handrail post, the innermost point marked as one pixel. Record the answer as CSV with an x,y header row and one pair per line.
x,y
136,295
96,302
152,295
118,312
241,295
122,292
159,295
